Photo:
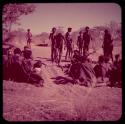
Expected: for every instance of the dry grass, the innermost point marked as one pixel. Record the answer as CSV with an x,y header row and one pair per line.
x,y
24,102
53,102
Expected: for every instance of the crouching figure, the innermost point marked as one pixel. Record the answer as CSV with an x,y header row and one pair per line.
x,y
82,72
31,73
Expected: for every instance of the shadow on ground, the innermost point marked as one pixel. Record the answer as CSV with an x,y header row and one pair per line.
x,y
62,80
42,45
41,58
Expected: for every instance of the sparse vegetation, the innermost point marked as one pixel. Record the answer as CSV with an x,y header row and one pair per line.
x,y
25,102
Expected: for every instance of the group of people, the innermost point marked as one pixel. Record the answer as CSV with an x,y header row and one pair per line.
x,y
83,41
57,41
21,67
81,69
85,72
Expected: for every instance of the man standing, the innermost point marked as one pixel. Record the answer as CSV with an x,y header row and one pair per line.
x,y
107,45
86,38
53,43
28,37
80,42
68,43
59,45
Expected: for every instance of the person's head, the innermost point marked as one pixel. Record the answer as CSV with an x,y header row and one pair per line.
x,y
106,31
69,29
117,56
86,28
26,48
28,30
17,51
53,29
106,59
101,59
27,54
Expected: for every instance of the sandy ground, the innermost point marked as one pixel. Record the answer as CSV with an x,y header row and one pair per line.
x,y
59,99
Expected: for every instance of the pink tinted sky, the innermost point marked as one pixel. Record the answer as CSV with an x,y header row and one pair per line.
x,y
73,15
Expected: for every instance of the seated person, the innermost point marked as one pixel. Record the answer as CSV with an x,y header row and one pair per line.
x,y
87,74
17,61
29,75
116,61
115,73
76,56
100,69
26,50
82,72
8,64
5,67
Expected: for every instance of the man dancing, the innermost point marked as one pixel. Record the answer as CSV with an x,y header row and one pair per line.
x,y
80,43
59,46
86,38
53,44
107,45
28,38
68,43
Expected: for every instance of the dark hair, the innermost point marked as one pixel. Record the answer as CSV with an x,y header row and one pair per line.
x,y
86,27
69,29
26,47
17,51
106,31
27,54
101,59
117,56
28,29
53,28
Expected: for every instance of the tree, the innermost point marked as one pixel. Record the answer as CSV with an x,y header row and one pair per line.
x,y
12,13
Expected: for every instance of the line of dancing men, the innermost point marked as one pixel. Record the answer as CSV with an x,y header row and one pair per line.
x,y
83,41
